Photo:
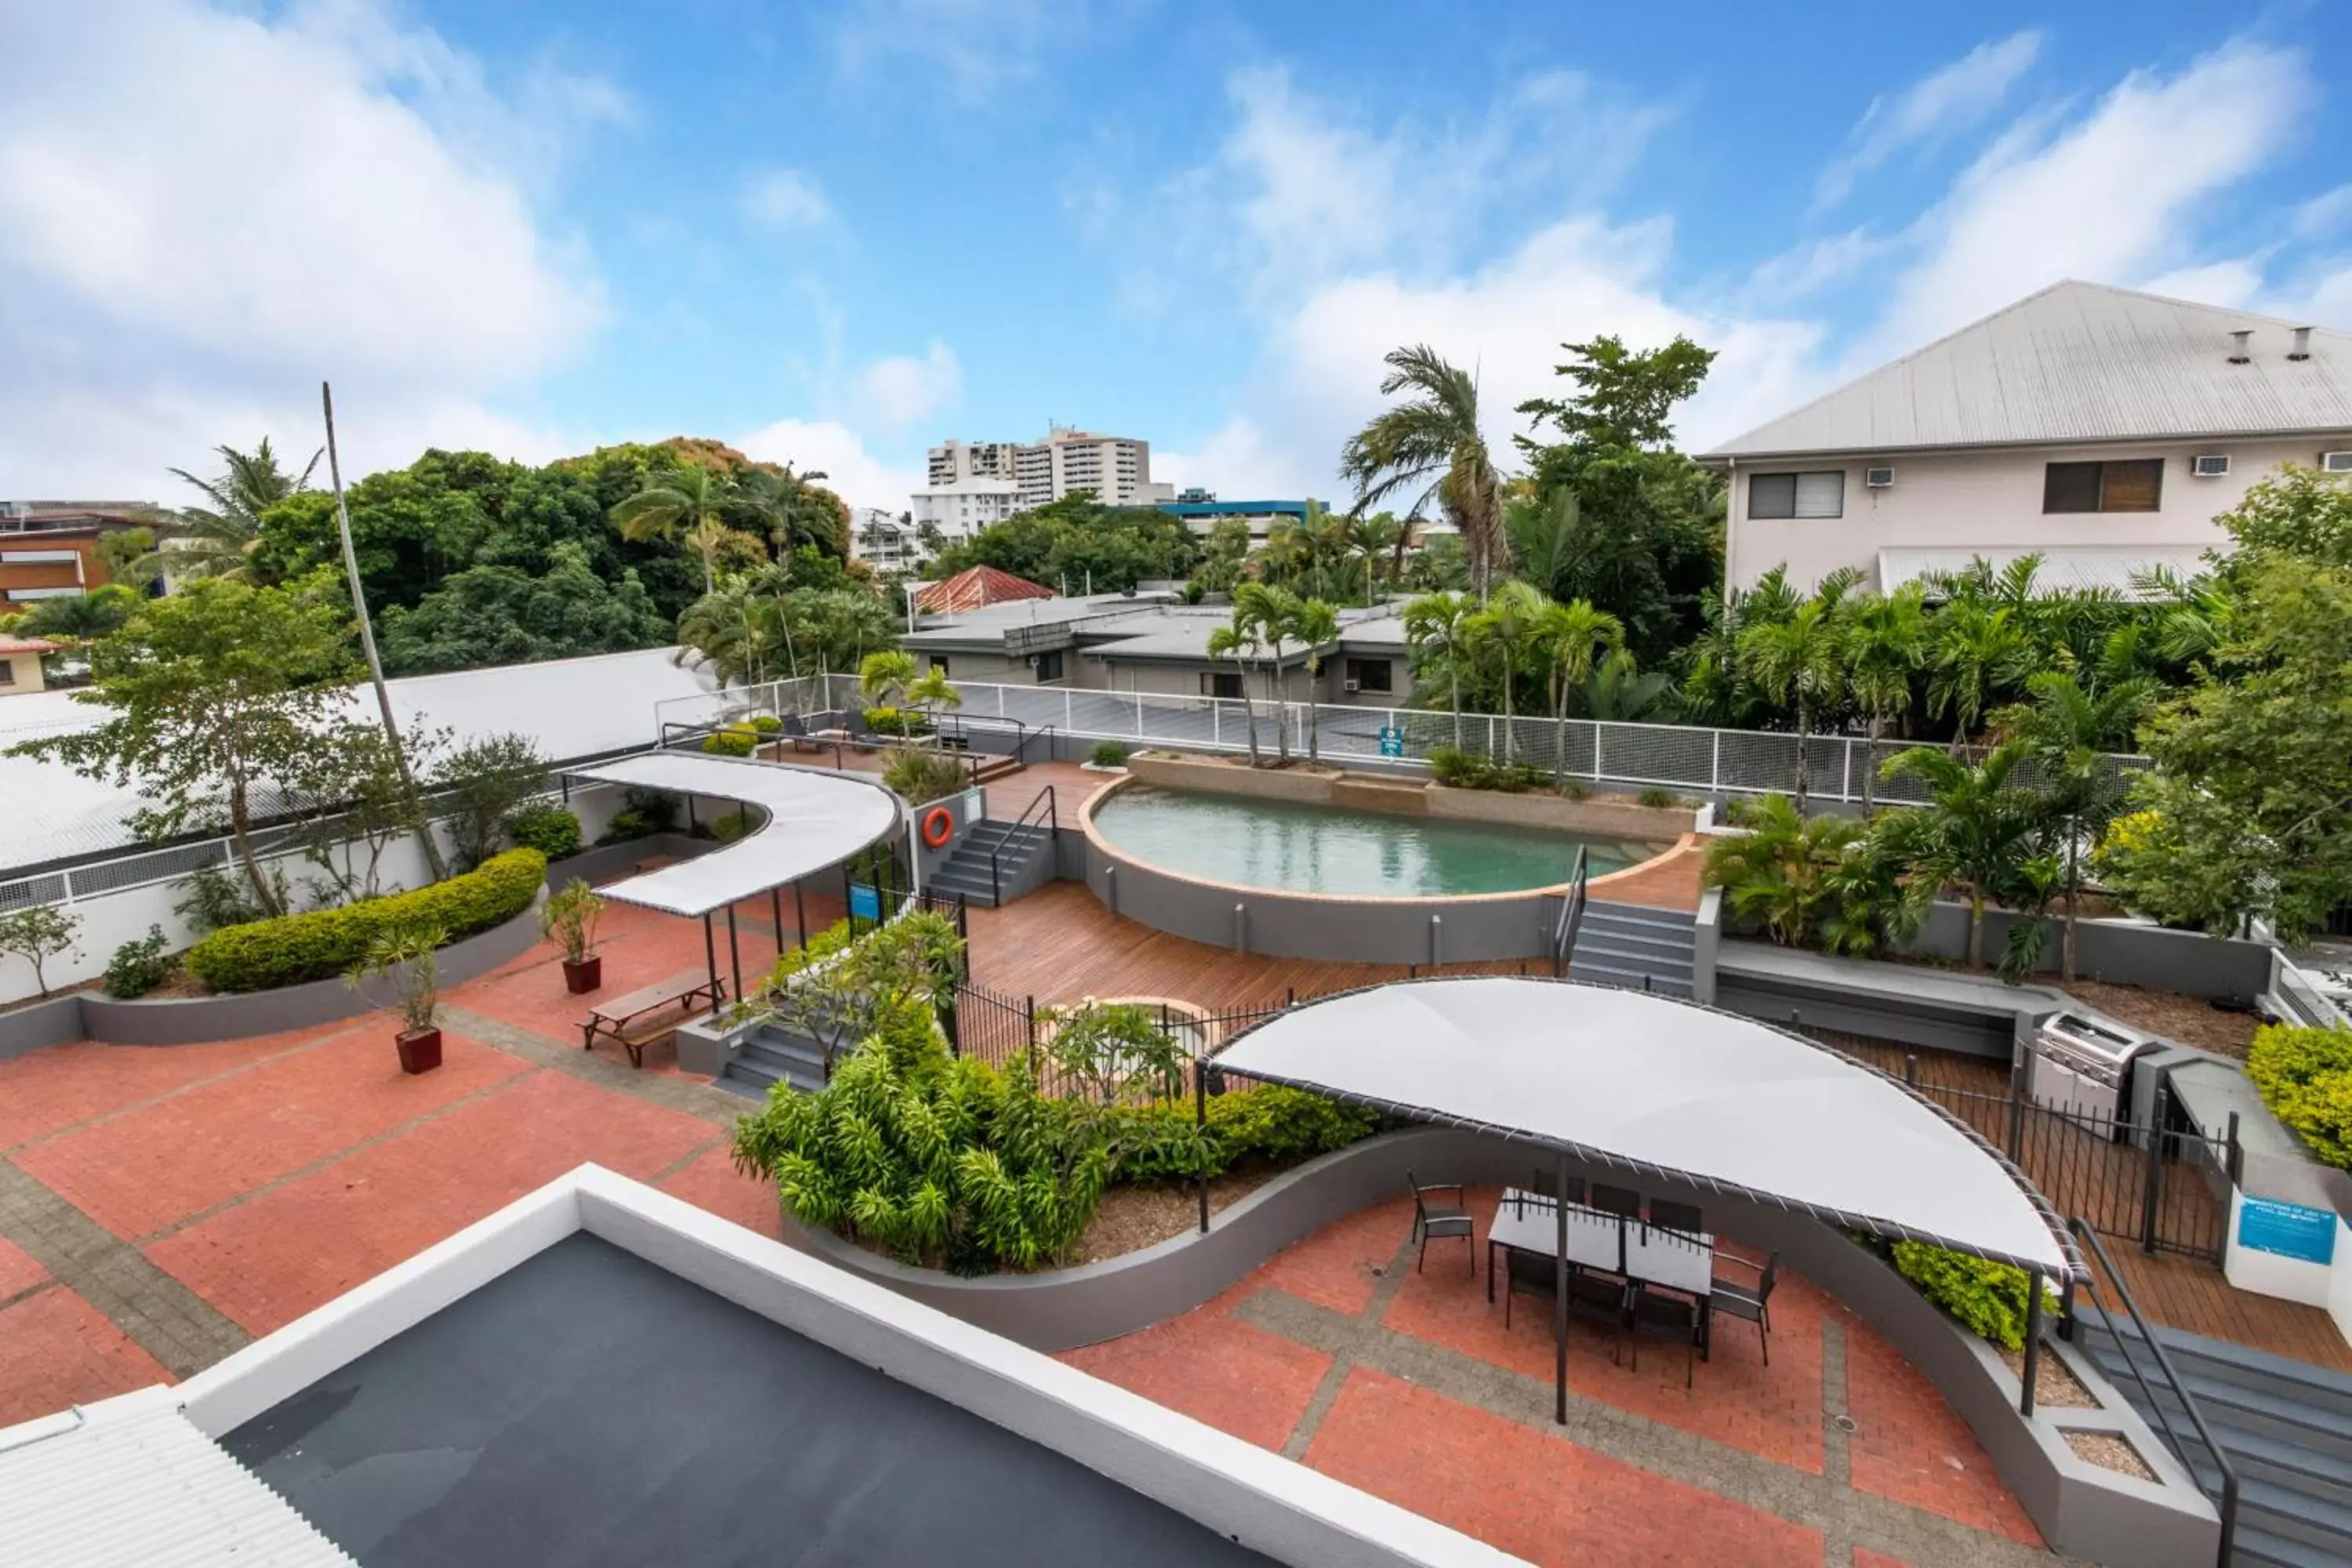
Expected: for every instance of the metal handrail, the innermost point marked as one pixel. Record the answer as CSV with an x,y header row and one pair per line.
x,y
1572,916
2228,1501
1054,824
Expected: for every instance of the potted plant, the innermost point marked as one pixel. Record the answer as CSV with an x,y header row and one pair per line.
x,y
409,956
569,921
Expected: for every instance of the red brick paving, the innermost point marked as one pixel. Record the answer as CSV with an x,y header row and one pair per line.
x,y
1908,1445
1532,1494
1234,1375
56,1350
137,1174
267,1261
45,1090
1335,1267
712,1182
19,1271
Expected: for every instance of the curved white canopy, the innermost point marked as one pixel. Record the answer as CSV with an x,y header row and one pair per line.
x,y
1645,1083
815,819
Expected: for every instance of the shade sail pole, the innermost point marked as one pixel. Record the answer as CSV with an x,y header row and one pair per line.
x,y
709,952
1560,1297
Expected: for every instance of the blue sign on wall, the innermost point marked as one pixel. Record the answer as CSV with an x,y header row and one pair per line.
x,y
2289,1230
865,902
1391,741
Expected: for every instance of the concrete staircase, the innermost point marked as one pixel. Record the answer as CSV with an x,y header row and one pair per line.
x,y
1635,947
967,874
770,1055
2285,1425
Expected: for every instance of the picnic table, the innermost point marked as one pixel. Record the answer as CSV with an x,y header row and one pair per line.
x,y
644,1015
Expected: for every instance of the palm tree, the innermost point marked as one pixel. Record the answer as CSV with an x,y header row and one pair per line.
x,y
1433,442
1314,624
1570,639
1619,690
1506,628
219,540
688,503
2068,733
1976,834
1713,690
719,630
789,508
1236,641
1268,614
1442,622
1369,538
1884,642
1976,653
1795,662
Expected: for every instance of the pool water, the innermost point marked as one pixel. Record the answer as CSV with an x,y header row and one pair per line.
x,y
1293,847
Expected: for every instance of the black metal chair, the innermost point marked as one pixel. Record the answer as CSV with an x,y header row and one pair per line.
x,y
1667,1215
1441,1219
1666,1315
1621,1201
1528,1274
1753,1304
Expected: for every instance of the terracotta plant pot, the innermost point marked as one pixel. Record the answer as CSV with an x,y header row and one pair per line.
x,y
585,975
420,1049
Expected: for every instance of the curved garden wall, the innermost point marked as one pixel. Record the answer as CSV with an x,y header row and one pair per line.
x,y
2084,1511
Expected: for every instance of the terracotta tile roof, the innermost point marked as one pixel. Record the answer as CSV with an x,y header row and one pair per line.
x,y
971,589
25,644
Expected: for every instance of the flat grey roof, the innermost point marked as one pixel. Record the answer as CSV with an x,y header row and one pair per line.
x,y
589,1406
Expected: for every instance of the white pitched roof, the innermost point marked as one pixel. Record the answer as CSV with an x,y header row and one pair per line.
x,y
2079,362
130,1483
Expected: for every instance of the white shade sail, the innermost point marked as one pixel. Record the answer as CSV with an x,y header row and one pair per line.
x,y
1646,1083
815,819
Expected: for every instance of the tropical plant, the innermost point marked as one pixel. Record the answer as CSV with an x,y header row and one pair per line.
x,y
688,503
1439,627
1989,1299
1505,630
1570,640
408,956
217,539
39,933
1881,645
1620,691
835,988
1108,755
80,617
1978,833
1978,653
1780,873
2304,1075
137,966
1238,641
1796,662
216,900
919,776
1270,615
2068,731
568,919
1315,626
1431,446
546,827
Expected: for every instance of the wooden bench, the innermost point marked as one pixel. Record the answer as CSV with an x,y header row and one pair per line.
x,y
637,1020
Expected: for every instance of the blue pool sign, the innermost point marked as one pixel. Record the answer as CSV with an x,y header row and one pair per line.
x,y
1391,741
865,902
2289,1230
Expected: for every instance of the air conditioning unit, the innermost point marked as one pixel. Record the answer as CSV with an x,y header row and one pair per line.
x,y
2336,462
2211,465
1351,686
1878,478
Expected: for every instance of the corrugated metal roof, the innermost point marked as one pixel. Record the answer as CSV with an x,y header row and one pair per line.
x,y
2079,362
573,708
2117,569
132,1484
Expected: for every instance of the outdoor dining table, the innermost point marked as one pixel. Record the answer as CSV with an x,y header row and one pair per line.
x,y
1626,1245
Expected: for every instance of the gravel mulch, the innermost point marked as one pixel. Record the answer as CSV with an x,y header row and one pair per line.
x,y
2189,1020
2109,1452
1132,1218
2053,1384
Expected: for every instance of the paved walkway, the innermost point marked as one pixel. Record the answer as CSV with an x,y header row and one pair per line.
x,y
1406,1383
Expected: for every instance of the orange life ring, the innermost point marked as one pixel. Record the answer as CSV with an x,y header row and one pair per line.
x,y
939,826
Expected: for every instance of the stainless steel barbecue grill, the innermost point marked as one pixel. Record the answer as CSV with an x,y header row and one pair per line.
x,y
2081,1064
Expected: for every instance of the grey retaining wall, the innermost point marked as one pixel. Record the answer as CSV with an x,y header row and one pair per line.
x,y
40,1024
2082,1510
2120,952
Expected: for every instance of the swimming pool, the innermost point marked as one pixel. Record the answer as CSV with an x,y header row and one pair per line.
x,y
1288,846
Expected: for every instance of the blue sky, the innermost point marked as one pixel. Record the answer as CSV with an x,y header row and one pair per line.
x,y
835,235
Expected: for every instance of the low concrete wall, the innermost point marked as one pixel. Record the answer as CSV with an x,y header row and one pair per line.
x,y
1310,786
1597,817
189,1021
2120,952
40,1025
2091,1513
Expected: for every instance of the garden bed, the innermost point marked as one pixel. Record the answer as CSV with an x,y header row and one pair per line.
x,y
1149,1212
2109,1452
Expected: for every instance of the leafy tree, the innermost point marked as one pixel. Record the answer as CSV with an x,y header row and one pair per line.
x,y
218,540
81,618
688,504
1431,446
1076,541
1977,655
504,614
1978,832
2069,732
1238,641
1570,639
1223,555
1796,661
792,510
1439,629
122,551
1623,398
410,527
215,697
37,934
1270,615
1368,539
1505,631
355,771
1619,690
478,787
1883,643
1315,627
836,988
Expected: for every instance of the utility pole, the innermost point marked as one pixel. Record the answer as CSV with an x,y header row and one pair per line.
x,y
367,644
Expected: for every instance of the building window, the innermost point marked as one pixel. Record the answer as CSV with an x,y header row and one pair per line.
x,y
1369,675
1220,683
1049,666
940,665
2136,484
7,672
1817,494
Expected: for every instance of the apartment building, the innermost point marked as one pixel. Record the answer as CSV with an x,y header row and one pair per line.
x,y
969,485
48,548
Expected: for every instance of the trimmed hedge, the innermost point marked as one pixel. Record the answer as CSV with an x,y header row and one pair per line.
x,y
550,829
1988,1298
324,943
735,740
2304,1075
1272,1120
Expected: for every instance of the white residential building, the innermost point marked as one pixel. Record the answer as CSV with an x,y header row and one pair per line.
x,y
970,485
2101,428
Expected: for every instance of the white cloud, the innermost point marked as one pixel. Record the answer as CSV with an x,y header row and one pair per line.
x,y
1939,106
781,200
905,389
2113,197
2233,284
833,449
208,211
973,48
2322,215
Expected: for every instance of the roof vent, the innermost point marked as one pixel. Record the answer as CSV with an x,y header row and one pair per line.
x,y
2238,354
2302,349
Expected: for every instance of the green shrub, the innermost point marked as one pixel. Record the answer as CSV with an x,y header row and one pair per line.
x,y
894,722
1270,1120
1108,755
2304,1075
918,775
1468,769
735,825
328,942
767,723
1659,799
643,813
138,967
550,829
734,740
1988,1298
